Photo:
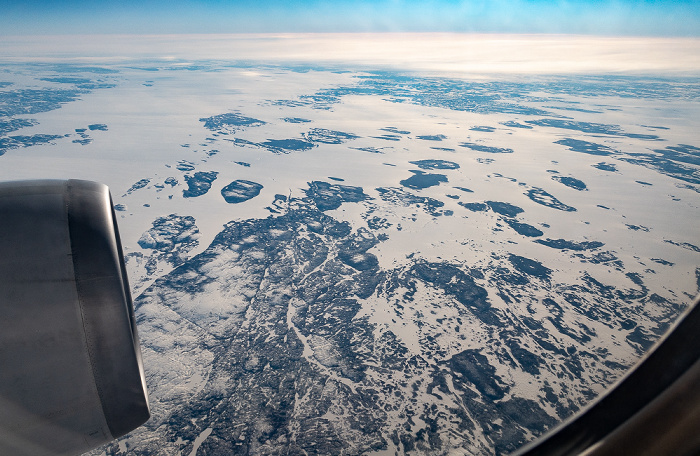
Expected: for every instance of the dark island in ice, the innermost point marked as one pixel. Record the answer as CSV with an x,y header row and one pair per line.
x,y
544,198
324,136
170,239
487,149
435,164
571,182
585,147
199,183
421,179
230,122
331,196
240,190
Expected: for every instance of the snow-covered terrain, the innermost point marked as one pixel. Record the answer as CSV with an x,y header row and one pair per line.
x,y
329,259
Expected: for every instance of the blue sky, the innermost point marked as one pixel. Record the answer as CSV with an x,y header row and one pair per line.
x,y
600,17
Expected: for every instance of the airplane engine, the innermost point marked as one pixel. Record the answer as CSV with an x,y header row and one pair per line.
x,y
71,376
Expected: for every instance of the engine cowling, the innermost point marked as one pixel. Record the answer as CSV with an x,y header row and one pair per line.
x,y
71,376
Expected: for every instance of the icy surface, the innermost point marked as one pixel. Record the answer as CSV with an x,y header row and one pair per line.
x,y
312,275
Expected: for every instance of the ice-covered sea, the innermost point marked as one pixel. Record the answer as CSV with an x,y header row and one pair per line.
x,y
366,256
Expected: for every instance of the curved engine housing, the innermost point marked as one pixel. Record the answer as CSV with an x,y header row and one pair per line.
x,y
71,376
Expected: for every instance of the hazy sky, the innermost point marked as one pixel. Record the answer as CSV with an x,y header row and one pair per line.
x,y
602,17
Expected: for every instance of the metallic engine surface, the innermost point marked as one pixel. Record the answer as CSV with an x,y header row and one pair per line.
x,y
71,376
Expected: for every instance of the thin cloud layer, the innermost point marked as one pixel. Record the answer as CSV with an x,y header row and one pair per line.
x,y
459,54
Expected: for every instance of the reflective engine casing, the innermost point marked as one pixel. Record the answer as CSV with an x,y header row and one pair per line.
x,y
71,376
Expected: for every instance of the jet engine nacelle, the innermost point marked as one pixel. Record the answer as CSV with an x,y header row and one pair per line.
x,y
71,376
